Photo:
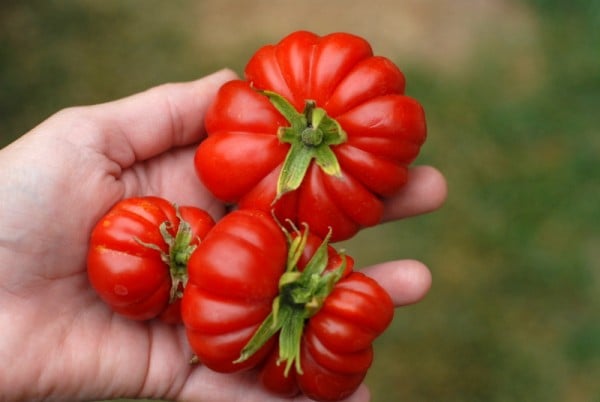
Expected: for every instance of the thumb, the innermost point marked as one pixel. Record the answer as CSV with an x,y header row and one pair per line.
x,y
149,123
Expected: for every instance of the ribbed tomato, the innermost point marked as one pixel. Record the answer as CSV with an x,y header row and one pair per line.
x,y
320,129
137,259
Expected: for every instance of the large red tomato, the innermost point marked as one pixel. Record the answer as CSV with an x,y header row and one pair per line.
x,y
137,260
320,129
236,275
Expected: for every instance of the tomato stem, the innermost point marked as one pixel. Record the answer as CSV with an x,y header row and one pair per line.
x,y
311,135
180,250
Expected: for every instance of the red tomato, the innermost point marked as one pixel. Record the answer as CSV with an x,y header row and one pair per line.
x,y
138,255
320,129
233,279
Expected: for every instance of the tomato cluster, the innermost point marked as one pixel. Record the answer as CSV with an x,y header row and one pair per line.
x,y
307,147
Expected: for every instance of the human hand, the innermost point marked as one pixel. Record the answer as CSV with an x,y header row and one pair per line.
x,y
59,341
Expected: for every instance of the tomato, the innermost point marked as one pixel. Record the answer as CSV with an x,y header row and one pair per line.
x,y
233,280
258,296
320,129
137,259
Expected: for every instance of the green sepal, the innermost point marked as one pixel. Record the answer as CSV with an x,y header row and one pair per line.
x,y
310,135
269,327
294,168
180,250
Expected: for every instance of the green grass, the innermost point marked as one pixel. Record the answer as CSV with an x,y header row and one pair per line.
x,y
513,314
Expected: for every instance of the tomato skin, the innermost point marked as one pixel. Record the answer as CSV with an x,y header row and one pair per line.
x,y
127,274
233,280
336,350
362,92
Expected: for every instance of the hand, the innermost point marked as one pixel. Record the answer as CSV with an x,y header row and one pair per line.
x,y
59,341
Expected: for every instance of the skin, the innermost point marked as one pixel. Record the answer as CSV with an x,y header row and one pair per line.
x,y
59,341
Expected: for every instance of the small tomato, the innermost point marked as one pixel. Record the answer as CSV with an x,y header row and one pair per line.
x,y
137,260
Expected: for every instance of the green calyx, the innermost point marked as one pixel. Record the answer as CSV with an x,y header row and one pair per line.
x,y
311,135
180,250
301,296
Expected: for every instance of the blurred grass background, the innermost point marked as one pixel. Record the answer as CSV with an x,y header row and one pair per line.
x,y
512,94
